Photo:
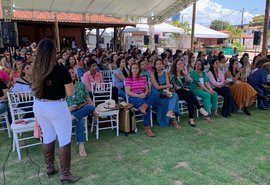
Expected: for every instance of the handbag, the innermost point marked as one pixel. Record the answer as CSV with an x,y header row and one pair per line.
x,y
166,94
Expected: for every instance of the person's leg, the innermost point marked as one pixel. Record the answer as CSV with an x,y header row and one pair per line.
x,y
121,93
206,98
214,101
225,107
115,94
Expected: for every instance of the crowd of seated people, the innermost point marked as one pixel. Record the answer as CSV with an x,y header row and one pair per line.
x,y
143,76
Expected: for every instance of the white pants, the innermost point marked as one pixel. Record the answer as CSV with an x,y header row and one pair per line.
x,y
55,120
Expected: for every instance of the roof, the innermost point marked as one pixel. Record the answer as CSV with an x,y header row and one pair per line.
x,y
152,9
38,16
204,32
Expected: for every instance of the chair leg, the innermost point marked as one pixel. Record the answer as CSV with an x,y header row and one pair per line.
x,y
92,125
117,124
17,146
13,143
86,128
7,125
97,129
111,118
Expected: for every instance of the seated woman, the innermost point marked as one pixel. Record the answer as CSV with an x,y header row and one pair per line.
x,y
243,94
119,76
180,79
23,83
143,63
136,88
200,87
258,80
164,106
80,105
217,82
3,97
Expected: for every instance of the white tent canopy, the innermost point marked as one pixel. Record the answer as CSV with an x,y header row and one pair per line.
x,y
157,10
158,28
204,32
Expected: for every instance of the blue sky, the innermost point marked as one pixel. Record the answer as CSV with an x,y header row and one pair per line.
x,y
253,6
227,10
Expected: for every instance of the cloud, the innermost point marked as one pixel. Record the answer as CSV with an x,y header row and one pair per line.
x,y
207,10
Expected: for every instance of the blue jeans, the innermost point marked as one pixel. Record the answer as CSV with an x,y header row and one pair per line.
x,y
149,100
79,122
121,93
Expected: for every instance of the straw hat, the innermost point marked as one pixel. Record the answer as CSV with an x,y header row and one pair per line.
x,y
108,105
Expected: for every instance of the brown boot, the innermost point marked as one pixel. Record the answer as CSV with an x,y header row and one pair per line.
x,y
65,157
48,152
143,108
149,132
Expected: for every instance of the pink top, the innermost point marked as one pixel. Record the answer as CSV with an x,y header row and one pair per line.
x,y
137,84
213,82
149,68
4,75
87,79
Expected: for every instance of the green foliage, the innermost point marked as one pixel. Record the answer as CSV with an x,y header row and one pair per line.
x,y
219,25
239,46
185,26
234,32
257,21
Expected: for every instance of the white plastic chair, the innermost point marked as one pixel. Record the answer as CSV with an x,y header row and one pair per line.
x,y
106,75
102,92
21,103
4,118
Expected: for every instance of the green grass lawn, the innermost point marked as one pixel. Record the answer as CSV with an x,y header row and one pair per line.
x,y
226,151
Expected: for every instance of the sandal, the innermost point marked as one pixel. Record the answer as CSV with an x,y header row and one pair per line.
x,y
82,151
170,115
175,124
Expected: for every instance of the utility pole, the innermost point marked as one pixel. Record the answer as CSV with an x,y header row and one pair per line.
x,y
193,27
265,28
242,25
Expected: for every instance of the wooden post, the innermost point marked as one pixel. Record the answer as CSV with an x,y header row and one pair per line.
x,y
115,34
56,33
97,37
265,28
193,27
152,36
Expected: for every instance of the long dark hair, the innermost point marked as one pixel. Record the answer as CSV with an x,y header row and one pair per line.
x,y
232,61
118,64
155,70
43,65
211,69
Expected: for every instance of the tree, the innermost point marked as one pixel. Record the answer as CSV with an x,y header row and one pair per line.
x,y
219,25
185,26
257,21
233,32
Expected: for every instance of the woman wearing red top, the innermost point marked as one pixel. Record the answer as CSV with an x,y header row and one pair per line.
x,y
136,87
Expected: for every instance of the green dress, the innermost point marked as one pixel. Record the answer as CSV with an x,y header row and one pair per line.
x,y
209,101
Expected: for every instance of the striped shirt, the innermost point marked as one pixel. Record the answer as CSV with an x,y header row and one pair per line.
x,y
137,84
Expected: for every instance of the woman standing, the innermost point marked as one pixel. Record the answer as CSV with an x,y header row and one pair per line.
x,y
137,89
243,94
218,83
180,80
51,84
200,87
167,109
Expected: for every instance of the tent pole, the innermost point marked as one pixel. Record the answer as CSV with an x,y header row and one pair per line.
x,y
97,37
266,16
56,34
152,36
193,27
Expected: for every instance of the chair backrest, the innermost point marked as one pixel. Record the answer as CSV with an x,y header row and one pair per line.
x,y
107,75
20,104
101,92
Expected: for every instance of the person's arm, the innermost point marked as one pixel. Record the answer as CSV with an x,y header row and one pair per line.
x,y
119,76
69,88
129,93
155,84
4,97
213,80
168,82
238,75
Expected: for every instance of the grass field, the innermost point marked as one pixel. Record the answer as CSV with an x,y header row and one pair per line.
x,y
226,151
